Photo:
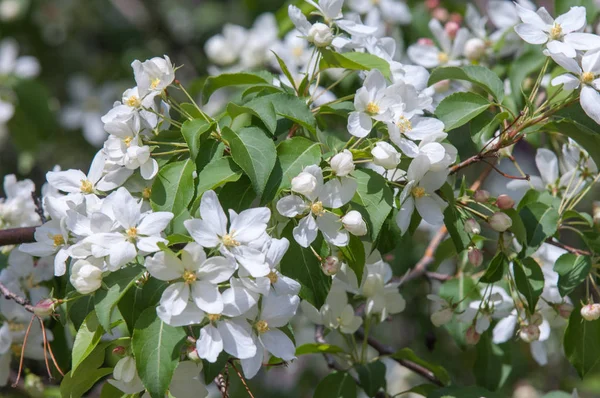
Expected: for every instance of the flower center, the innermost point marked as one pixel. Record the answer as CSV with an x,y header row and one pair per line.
x,y
155,82
127,141
297,51
317,209
133,101
272,277
556,32
147,192
189,277
86,186
132,232
262,326
587,77
58,239
372,108
228,241
418,192
404,125
213,317
16,327
443,58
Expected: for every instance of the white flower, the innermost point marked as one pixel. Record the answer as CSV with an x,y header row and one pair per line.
x,y
245,230
391,11
354,223
232,335
187,381
336,313
75,181
133,102
85,277
18,208
155,74
224,49
428,55
276,311
126,377
25,67
475,48
52,238
443,314
333,194
419,193
304,183
385,155
320,35
138,156
342,164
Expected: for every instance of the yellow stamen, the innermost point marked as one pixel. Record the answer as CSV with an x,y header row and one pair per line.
x,y
372,108
443,58
58,239
86,186
127,141
147,192
317,209
297,51
262,326
16,327
133,101
155,83
587,77
132,232
418,192
404,125
556,32
272,277
189,277
213,317
229,241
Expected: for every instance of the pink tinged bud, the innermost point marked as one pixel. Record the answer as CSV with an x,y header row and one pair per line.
x,y
441,14
451,29
119,351
442,317
505,202
500,222
471,336
331,265
529,333
474,49
564,310
431,4
456,17
442,86
596,210
425,41
475,256
193,355
536,319
590,312
472,226
45,307
481,196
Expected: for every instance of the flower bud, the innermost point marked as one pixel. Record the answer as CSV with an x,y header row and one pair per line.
x,y
451,29
192,355
320,35
471,336
119,350
500,222
475,256
536,319
590,312
564,310
331,265
505,202
456,17
85,277
385,155
354,223
304,183
474,49
481,196
442,86
472,227
125,369
342,163
425,41
442,317
432,4
441,14
529,333
45,307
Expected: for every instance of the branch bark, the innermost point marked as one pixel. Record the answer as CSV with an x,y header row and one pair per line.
x,y
15,236
16,298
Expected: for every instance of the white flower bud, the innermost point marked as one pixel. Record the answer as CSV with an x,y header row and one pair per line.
x,y
471,335
481,196
385,155
331,265
342,163
564,310
505,202
474,49
85,277
529,333
320,35
442,317
500,222
590,312
192,355
45,307
475,256
472,227
304,183
354,223
125,369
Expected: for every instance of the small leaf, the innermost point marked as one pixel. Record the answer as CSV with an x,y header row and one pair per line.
x,y
192,131
374,198
572,270
456,229
315,348
463,392
139,298
496,269
541,222
535,196
173,188
212,370
216,174
264,110
582,342
213,83
459,108
354,255
118,283
371,377
289,107
87,338
354,60
336,385
530,281
517,228
479,75
437,370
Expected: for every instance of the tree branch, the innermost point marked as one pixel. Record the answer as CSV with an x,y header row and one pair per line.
x,y
15,236
571,249
420,268
16,298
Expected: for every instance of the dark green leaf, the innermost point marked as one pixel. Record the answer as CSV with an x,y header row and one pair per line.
x,y
173,188
463,392
374,199
192,131
535,196
354,60
217,173
492,365
264,110
315,348
371,377
336,385
87,338
459,108
139,298
530,280
517,228
211,370
118,283
354,255
496,269
213,83
582,342
541,222
479,75
572,270
456,229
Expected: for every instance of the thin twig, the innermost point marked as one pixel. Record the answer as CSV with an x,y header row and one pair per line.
x,y
39,209
420,268
571,249
242,379
16,298
503,174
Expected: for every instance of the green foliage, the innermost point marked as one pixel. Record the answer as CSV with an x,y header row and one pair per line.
x,y
336,385
440,372
492,366
371,377
496,269
354,61
460,108
87,338
478,75
354,255
192,131
117,283
582,342
529,279
541,222
173,188
572,270
373,199
213,83
316,348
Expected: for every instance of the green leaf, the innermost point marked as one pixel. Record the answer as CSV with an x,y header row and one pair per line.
x,y
254,152
75,387
289,107
535,196
315,348
285,70
517,228
479,75
496,269
582,342
139,298
237,195
173,188
578,126
354,255
354,61
437,370
79,309
217,173
87,338
264,110
373,199
492,365
293,155
572,271
530,281
118,283
456,228
541,222
371,377
192,131
336,385
212,370
301,264
110,391
569,214
459,108
213,83
156,347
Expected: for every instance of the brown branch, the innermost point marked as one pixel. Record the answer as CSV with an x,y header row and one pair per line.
x,y
16,298
503,174
242,379
571,249
420,268
15,236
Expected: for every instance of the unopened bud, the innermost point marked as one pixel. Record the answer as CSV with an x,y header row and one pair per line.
x,y
342,163
471,336
442,317
456,17
475,256
45,307
192,355
596,212
354,223
304,183
536,319
442,86
472,227
425,41
119,351
431,4
529,333
564,310
320,35
481,196
441,14
474,49
331,265
500,222
590,312
505,202
451,28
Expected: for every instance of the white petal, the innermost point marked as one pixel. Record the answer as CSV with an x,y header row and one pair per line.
x,y
558,47
164,266
430,210
306,231
583,41
216,270
417,168
252,260
359,124
278,310
154,223
547,164
538,352
531,34
237,339
207,297
212,213
237,301
291,206
252,365
311,312
505,329
250,224
331,227
337,192
202,233
210,343
590,102
175,298
568,81
573,20
278,344
67,181
405,214
192,315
